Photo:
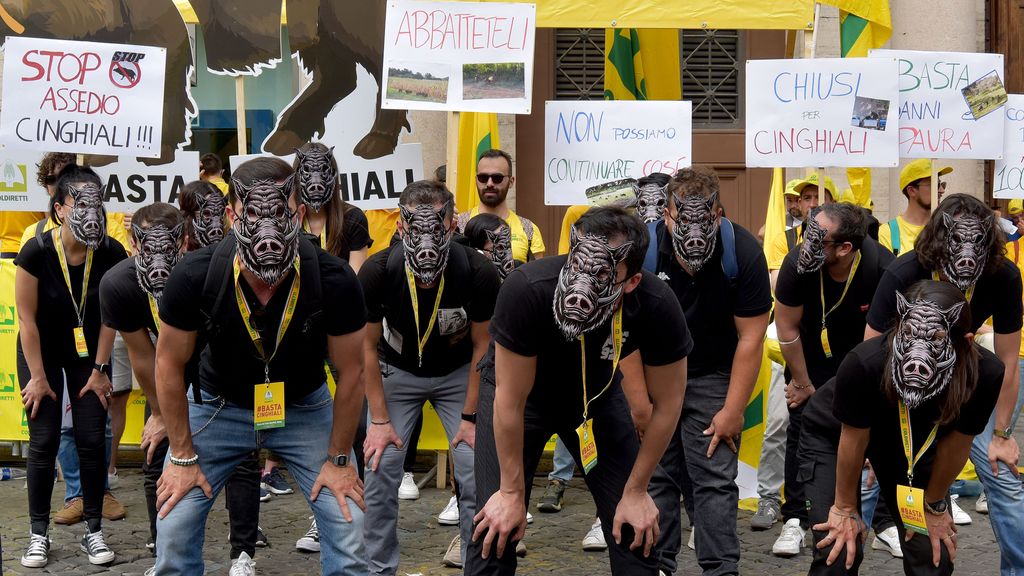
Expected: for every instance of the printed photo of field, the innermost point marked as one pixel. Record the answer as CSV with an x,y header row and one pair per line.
x,y
418,83
493,81
985,95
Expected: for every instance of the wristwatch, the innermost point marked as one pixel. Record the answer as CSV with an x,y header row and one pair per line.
x,y
102,368
938,508
1004,432
471,418
341,460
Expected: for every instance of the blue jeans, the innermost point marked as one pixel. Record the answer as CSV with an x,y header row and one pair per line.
x,y
1005,496
67,455
223,436
562,464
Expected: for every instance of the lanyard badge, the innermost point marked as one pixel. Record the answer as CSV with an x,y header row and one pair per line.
x,y
81,347
421,339
910,500
585,431
826,347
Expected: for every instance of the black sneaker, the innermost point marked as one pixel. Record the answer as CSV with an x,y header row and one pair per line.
x,y
96,548
311,541
275,482
265,495
261,538
551,501
38,552
151,545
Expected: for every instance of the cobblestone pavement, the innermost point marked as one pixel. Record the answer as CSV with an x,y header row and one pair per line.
x,y
553,540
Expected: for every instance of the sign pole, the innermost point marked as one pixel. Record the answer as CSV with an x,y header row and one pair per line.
x,y
935,186
243,145
452,153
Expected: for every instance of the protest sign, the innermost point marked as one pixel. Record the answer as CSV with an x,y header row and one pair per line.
x,y
132,185
822,112
587,143
946,103
86,97
469,56
1008,180
368,184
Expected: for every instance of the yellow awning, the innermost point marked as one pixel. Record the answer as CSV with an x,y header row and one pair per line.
x,y
718,14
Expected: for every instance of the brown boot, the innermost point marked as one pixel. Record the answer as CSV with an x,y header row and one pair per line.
x,y
112,509
71,514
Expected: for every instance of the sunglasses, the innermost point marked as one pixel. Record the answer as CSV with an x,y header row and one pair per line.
x,y
496,178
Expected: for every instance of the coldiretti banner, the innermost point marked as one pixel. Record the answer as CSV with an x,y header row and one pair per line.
x,y
12,416
743,14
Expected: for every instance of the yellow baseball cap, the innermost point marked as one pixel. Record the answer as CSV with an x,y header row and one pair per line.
x,y
918,169
1015,207
812,180
790,187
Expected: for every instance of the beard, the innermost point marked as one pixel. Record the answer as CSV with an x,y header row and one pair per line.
x,y
493,201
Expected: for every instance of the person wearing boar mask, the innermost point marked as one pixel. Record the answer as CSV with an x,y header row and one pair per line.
x,y
429,303
963,245
717,271
560,328
63,341
270,307
824,289
911,401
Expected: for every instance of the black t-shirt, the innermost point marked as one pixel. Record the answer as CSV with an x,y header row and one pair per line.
x,y
524,323
355,232
470,288
845,323
230,364
710,300
996,295
124,304
861,402
55,312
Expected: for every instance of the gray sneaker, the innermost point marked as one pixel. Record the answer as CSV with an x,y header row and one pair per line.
x,y
766,516
551,501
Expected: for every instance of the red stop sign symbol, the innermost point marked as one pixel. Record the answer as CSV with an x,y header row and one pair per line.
x,y
125,74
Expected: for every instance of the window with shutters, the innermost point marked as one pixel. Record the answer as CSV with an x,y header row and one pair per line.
x,y
710,71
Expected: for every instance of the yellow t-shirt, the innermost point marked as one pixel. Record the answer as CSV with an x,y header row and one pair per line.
x,y
12,224
382,223
219,183
571,216
779,248
115,229
908,235
1015,252
521,245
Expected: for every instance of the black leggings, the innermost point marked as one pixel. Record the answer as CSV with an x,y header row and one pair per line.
x,y
90,422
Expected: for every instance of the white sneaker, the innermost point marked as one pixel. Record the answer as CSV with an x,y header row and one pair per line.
x,y
453,557
981,506
150,571
960,517
408,490
112,480
311,541
690,543
594,540
889,541
243,566
38,552
97,550
529,518
791,540
450,515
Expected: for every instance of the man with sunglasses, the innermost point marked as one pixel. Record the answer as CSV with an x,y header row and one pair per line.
x,y
900,233
493,180
823,293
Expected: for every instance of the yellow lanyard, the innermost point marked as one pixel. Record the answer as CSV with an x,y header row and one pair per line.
x,y
421,339
849,280
59,245
970,290
617,344
154,311
908,442
323,233
286,316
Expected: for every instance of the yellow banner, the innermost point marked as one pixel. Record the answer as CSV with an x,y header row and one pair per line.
x,y
13,425
743,14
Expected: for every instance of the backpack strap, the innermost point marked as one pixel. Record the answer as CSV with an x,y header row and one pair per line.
x,y
791,237
730,265
528,230
894,236
40,228
651,257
